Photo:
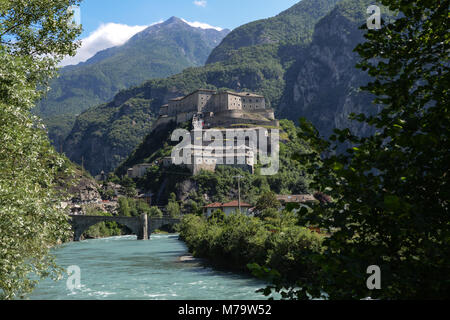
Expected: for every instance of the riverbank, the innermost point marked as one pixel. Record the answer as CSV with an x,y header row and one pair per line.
x,y
236,241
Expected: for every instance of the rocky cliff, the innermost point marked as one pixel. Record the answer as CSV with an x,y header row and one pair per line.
x,y
325,86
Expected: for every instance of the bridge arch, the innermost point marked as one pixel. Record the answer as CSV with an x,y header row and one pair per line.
x,y
137,225
142,226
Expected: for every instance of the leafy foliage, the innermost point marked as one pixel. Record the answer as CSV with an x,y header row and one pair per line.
x,y
267,200
103,229
34,35
236,241
129,207
390,190
173,207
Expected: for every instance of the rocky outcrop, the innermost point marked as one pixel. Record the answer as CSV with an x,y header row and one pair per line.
x,y
326,82
84,194
85,191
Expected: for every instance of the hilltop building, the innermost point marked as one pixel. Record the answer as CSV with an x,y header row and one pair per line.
x,y
211,109
207,158
219,108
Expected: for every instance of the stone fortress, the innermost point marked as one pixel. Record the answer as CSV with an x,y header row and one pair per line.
x,y
221,110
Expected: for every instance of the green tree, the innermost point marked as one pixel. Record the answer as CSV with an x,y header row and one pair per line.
x,y
173,208
34,36
129,187
124,208
113,178
268,200
142,207
390,191
155,212
217,216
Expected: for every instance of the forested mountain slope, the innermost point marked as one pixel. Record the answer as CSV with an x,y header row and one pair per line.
x,y
158,51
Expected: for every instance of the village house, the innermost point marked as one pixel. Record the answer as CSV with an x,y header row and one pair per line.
x,y
139,170
228,208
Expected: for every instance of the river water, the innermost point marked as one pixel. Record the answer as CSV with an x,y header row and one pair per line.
x,y
122,268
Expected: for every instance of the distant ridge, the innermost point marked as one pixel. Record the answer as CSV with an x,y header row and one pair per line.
x,y
158,51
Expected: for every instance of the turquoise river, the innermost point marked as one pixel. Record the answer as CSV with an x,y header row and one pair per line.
x,y
122,268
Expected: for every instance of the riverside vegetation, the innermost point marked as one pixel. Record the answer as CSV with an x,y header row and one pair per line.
x,y
237,242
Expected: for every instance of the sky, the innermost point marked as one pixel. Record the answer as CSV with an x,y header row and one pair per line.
x,y
108,23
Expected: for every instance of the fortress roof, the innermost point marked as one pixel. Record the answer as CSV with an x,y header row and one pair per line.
x,y
248,94
190,94
177,99
243,94
239,94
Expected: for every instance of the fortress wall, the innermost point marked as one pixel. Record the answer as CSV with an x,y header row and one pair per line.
x,y
253,103
185,116
204,100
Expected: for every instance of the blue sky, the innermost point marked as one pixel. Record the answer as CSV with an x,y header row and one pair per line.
x,y
222,13
109,23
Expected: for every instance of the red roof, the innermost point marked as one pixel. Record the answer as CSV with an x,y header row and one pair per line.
x,y
232,204
214,205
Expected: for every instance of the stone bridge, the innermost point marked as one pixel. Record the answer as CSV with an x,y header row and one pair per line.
x,y
141,226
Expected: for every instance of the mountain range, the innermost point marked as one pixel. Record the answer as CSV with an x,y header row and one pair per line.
x,y
158,51
301,60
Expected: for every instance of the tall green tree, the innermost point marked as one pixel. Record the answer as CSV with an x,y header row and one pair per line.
x,y
34,36
390,190
267,200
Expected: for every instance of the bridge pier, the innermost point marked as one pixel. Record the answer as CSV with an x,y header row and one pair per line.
x,y
143,228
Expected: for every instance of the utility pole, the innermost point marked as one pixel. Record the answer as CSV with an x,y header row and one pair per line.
x,y
239,191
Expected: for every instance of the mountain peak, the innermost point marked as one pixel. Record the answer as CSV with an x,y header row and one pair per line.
x,y
172,20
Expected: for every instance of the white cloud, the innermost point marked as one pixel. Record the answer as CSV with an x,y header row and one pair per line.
x,y
200,3
113,34
106,36
202,25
